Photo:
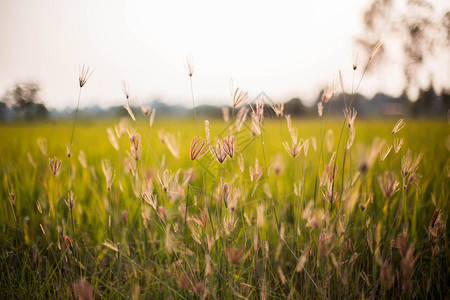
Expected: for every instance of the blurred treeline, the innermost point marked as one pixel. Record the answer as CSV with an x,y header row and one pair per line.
x,y
23,102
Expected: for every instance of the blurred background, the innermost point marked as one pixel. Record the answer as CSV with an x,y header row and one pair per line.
x,y
280,53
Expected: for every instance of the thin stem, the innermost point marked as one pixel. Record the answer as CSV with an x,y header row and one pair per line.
x,y
74,121
193,104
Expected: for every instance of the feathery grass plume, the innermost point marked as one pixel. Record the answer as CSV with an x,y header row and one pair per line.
x,y
162,213
398,142
108,172
408,260
356,60
112,138
172,142
198,148
226,113
302,260
329,140
233,200
256,172
152,117
325,244
376,49
257,118
278,108
165,178
385,151
407,266
150,199
190,65
314,143
351,137
136,146
328,93
55,165
42,143
145,109
294,149
124,217
241,116
202,220
305,146
388,183
125,90
31,160
386,277
110,245
320,109
409,168
364,203
278,164
68,243
289,123
239,97
241,163
183,281
228,145
226,191
130,112
218,152
327,190
377,145
436,229
82,289
350,116
70,201
260,215
229,223
82,159
398,126
68,150
85,73
235,256
207,132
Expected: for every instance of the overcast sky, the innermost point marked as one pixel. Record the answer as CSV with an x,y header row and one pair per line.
x,y
286,48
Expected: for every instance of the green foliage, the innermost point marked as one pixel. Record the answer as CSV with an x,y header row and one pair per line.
x,y
279,236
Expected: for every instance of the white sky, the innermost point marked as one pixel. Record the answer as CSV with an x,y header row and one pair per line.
x,y
284,48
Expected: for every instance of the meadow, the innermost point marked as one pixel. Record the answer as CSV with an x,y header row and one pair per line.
x,y
265,207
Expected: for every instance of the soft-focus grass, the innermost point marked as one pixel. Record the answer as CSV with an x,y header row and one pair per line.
x,y
342,249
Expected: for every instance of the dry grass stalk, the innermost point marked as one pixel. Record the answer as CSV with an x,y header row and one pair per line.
x,y
388,183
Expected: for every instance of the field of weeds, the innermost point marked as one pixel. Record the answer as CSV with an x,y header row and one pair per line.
x,y
266,207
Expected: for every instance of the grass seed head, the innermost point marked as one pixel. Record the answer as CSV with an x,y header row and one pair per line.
x,y
198,148
68,243
398,126
55,165
85,73
239,97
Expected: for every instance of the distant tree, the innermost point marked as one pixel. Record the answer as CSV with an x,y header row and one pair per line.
x,y
3,111
425,102
415,35
25,100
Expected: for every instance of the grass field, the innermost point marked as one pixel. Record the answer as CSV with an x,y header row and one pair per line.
x,y
131,214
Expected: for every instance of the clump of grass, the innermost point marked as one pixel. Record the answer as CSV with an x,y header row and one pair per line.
x,y
230,214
